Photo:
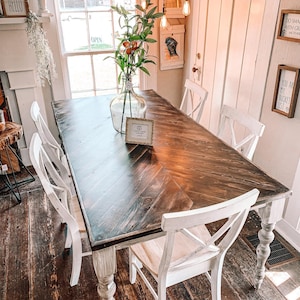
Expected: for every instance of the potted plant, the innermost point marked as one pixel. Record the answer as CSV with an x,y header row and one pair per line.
x,y
132,55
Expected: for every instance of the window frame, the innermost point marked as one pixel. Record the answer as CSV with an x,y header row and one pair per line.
x,y
89,53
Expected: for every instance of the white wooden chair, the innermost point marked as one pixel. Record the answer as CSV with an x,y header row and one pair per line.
x,y
250,130
65,204
52,147
188,248
193,100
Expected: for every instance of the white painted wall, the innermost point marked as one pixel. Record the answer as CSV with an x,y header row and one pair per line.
x,y
233,40
278,151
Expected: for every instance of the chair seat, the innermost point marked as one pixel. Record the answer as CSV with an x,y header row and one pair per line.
x,y
188,249
76,213
150,252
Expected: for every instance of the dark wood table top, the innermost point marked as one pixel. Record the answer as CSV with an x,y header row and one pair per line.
x,y
124,189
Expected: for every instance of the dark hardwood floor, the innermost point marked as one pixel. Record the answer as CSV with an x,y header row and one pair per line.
x,y
33,265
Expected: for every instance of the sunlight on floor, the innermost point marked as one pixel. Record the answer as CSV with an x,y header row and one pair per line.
x,y
294,295
279,278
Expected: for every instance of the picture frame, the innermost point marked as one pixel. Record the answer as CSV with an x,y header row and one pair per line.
x,y
139,131
15,8
173,8
289,28
172,47
286,90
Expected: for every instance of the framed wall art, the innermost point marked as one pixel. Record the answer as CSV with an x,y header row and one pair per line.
x,y
139,131
173,8
289,25
15,8
172,47
286,91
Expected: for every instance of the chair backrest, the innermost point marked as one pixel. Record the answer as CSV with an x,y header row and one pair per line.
x,y
234,210
60,197
43,130
50,144
53,184
250,130
193,100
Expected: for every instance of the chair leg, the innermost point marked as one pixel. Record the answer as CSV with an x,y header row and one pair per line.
x,y
216,279
161,289
76,258
132,267
68,242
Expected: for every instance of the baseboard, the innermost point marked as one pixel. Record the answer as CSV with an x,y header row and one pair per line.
x,y
289,234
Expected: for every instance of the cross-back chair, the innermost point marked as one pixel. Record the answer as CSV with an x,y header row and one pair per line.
x,y
233,120
52,147
188,248
193,100
65,204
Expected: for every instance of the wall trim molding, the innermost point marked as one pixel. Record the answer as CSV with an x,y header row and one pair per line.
x,y
288,233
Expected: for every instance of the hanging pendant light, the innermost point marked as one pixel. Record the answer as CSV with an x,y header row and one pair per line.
x,y
144,4
186,8
163,20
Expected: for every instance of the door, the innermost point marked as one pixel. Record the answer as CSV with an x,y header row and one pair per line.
x,y
231,48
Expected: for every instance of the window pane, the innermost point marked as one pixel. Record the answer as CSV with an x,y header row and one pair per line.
x,y
98,4
70,4
101,30
128,4
105,72
74,31
80,73
90,27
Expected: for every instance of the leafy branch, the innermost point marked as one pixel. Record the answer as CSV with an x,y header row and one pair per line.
x,y
132,51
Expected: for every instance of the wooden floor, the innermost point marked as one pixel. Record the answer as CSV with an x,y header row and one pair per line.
x,y
33,265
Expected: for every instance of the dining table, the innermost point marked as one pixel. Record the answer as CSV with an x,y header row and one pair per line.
x,y
124,188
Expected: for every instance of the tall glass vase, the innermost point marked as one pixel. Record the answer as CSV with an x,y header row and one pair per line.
x,y
127,104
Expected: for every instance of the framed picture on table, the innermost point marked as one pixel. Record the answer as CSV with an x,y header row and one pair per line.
x,y
139,131
286,91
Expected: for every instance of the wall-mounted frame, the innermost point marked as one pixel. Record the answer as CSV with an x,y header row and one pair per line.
x,y
172,47
286,91
173,8
139,131
15,8
289,26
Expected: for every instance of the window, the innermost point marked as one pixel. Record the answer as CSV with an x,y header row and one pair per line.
x,y
89,32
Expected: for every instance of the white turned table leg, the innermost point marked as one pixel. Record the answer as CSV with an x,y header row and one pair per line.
x,y
269,214
263,251
105,266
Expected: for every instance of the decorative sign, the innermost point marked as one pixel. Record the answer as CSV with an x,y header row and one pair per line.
x,y
286,91
15,8
289,26
139,131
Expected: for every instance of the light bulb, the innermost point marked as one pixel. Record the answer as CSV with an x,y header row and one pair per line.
x,y
186,8
163,22
143,4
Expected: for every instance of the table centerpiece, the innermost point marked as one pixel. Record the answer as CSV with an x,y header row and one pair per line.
x,y
132,55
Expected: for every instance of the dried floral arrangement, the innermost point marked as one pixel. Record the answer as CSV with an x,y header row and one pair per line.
x,y
46,68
